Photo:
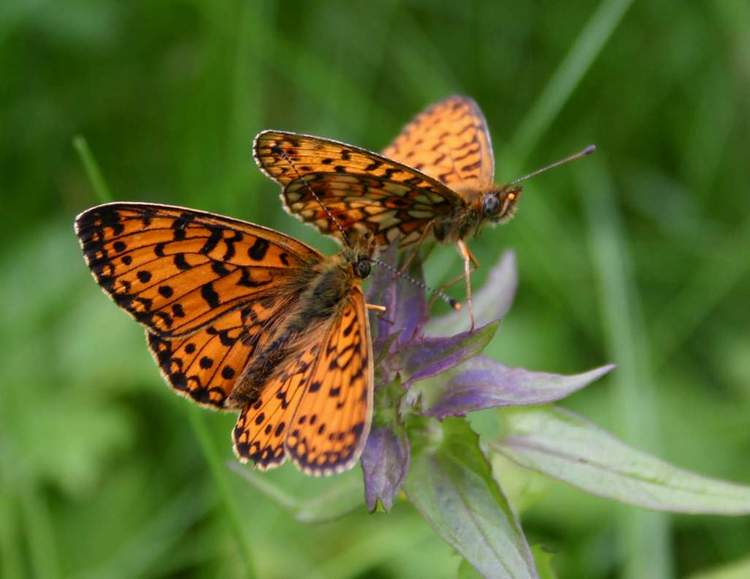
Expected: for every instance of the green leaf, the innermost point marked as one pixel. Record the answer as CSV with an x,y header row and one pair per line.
x,y
451,485
567,447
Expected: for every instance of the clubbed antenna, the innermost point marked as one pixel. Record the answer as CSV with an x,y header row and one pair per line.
x,y
574,157
315,195
420,284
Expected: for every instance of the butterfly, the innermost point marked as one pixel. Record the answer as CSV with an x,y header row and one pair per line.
x,y
242,317
436,179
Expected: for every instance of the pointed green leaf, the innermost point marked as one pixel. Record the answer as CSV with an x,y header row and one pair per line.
x,y
451,485
567,447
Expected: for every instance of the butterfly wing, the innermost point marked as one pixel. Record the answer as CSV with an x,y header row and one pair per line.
x,y
448,141
206,364
333,418
361,189
263,425
177,270
318,408
208,288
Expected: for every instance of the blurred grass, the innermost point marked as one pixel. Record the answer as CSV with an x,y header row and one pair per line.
x,y
636,406
102,473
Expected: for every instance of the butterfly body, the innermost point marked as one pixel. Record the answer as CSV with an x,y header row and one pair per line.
x,y
322,296
239,316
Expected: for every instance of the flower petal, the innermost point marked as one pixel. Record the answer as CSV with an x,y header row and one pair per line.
x,y
427,357
385,462
382,292
483,383
406,307
490,303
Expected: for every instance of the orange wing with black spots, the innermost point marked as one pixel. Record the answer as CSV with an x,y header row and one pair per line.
x,y
450,142
177,270
361,189
263,426
318,407
332,420
206,364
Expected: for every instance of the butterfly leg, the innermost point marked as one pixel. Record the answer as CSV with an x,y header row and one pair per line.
x,y
375,308
449,284
469,259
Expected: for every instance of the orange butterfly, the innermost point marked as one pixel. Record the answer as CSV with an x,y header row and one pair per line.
x,y
436,178
239,316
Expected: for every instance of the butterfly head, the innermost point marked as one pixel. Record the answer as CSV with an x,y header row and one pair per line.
x,y
359,250
499,205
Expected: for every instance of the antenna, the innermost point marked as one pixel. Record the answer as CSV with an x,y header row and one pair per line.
x,y
315,195
574,157
420,284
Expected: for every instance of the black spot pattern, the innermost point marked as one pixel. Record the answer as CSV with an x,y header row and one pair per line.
x,y
209,294
258,250
180,262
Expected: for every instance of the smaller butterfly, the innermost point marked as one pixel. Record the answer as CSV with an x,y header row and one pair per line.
x,y
239,316
436,179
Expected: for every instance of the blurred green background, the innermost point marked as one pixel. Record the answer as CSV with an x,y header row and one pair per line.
x,y
638,255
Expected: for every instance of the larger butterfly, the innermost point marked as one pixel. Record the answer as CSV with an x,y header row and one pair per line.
x,y
435,179
243,317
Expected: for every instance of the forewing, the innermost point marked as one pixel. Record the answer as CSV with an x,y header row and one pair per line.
x,y
206,364
361,189
450,142
177,270
332,421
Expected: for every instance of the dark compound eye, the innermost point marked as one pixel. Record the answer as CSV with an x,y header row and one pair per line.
x,y
490,204
363,268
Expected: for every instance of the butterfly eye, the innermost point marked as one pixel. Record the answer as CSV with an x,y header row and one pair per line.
x,y
362,268
490,204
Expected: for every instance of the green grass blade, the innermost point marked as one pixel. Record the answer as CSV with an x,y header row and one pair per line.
x,y
218,473
94,174
159,537
39,533
11,564
582,54
644,535
706,289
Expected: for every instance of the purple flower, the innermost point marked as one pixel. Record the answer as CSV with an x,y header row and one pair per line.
x,y
426,380
420,372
